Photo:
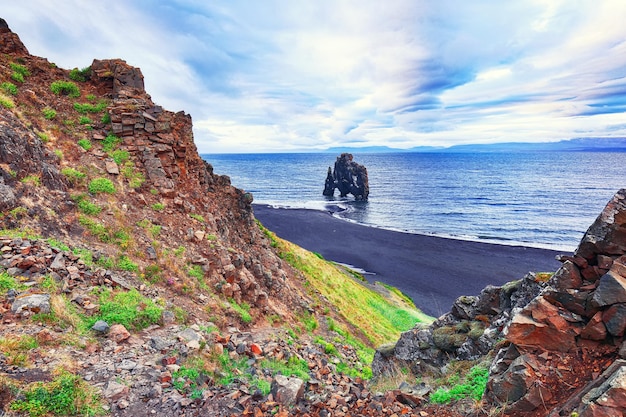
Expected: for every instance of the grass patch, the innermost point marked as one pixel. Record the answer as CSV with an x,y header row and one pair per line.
x,y
158,206
101,185
110,143
80,75
97,229
125,264
66,395
242,309
6,102
85,144
84,108
360,306
49,113
472,386
129,308
66,88
74,176
9,88
8,282
120,156
32,179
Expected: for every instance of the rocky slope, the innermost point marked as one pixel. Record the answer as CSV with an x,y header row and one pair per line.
x,y
554,344
136,281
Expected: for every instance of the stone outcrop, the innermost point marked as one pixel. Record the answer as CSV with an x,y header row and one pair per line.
x,y
10,43
348,177
560,334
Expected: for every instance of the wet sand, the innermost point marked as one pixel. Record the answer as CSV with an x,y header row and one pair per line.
x,y
432,270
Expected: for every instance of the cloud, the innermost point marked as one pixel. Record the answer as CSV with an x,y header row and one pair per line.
x,y
280,75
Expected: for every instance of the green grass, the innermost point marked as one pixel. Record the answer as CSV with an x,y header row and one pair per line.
x,y
80,75
197,217
128,308
97,229
380,319
20,69
49,113
110,143
8,282
9,88
242,309
74,176
101,185
126,264
473,386
84,108
84,120
120,156
6,102
66,395
134,176
158,206
32,179
44,138
66,88
58,244
106,119
85,144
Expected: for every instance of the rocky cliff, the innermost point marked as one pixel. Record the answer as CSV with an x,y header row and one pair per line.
x,y
554,343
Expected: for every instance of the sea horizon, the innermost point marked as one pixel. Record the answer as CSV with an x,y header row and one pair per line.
x,y
544,199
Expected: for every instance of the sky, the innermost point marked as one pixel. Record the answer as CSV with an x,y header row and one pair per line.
x,y
306,75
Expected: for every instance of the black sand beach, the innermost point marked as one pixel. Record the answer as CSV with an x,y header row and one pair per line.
x,y
433,271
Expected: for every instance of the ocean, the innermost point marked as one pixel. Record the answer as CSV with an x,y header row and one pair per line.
x,y
536,199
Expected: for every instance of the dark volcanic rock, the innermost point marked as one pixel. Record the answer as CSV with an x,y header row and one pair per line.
x,y
348,177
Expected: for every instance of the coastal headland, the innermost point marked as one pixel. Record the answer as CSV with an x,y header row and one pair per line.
x,y
432,270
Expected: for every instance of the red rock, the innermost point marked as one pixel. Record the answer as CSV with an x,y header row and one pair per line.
x,y
256,349
546,329
595,329
118,333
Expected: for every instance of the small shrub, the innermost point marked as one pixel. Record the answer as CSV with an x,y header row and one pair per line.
x,y
80,75
17,77
90,97
155,230
84,108
32,179
101,185
473,386
197,217
84,120
110,143
6,102
20,69
95,228
66,88
66,395
106,119
85,144
73,175
242,309
49,113
87,207
158,206
44,138
9,88
120,156
126,264
128,308
195,271
152,273
58,153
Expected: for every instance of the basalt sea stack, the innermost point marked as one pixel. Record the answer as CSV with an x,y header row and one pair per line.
x,y
349,177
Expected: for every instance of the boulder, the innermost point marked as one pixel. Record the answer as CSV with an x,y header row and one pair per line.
x,y
36,303
287,391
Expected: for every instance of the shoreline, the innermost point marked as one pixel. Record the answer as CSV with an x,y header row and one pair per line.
x,y
432,270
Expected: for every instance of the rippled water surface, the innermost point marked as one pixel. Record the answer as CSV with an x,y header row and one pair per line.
x,y
545,199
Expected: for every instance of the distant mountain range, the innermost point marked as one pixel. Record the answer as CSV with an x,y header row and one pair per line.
x,y
571,145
